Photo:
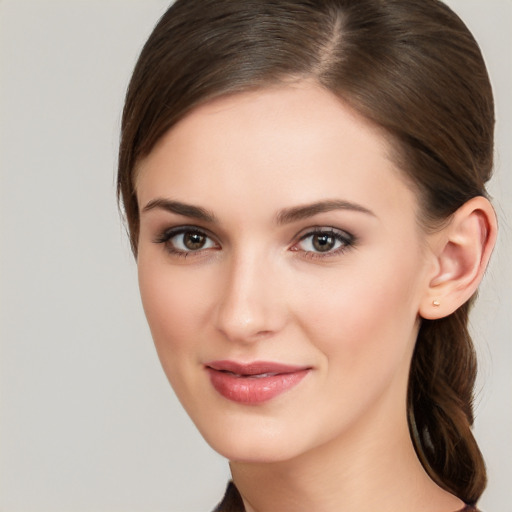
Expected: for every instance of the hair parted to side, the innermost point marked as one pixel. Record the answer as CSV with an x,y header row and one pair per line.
x,y
410,66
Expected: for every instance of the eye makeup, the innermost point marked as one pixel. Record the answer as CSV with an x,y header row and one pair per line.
x,y
317,242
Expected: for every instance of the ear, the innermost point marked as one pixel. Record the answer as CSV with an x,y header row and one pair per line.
x,y
461,252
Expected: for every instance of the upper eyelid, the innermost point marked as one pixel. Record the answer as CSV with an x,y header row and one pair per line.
x,y
346,239
184,228
164,235
323,229
169,232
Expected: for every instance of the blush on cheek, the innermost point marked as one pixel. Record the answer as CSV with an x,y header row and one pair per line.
x,y
358,314
175,303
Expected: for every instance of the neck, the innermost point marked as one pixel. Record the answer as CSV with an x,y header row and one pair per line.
x,y
356,472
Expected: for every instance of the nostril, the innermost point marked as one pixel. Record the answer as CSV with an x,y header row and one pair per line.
x,y
250,326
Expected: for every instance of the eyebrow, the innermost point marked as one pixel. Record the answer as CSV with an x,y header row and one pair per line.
x,y
285,216
289,215
187,210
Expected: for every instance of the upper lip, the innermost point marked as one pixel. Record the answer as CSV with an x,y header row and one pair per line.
x,y
255,367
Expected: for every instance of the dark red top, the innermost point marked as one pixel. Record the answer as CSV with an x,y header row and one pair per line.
x,y
232,502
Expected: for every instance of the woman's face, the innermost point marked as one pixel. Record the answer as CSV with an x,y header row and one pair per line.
x,y
281,267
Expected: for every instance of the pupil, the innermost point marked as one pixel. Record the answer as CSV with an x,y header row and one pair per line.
x,y
323,243
194,241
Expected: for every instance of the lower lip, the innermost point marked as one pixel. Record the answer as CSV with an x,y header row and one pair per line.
x,y
254,390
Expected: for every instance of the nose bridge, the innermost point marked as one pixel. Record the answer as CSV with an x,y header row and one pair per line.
x,y
249,303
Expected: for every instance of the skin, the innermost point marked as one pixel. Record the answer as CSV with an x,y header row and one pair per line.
x,y
258,290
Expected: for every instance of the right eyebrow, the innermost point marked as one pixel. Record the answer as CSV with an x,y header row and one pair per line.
x,y
184,209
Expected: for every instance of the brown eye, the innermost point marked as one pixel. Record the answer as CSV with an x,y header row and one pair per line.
x,y
194,241
182,240
323,242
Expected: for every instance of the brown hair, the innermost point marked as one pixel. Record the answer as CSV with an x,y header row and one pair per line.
x,y
410,66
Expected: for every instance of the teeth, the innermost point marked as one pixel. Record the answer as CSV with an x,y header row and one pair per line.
x,y
256,376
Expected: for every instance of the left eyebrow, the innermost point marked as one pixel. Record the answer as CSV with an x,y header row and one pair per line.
x,y
297,213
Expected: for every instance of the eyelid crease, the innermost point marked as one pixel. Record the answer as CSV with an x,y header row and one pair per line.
x,y
166,234
315,230
346,239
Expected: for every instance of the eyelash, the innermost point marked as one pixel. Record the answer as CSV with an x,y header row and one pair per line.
x,y
167,235
345,239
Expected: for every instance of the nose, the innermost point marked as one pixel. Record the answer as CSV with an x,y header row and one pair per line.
x,y
252,304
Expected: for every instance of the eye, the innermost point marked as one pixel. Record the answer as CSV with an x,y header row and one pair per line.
x,y
324,242
186,240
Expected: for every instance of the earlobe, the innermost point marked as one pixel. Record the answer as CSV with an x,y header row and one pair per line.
x,y
464,247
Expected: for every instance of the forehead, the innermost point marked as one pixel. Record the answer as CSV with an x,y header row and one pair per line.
x,y
294,144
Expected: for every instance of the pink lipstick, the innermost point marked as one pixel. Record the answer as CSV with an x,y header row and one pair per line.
x,y
253,383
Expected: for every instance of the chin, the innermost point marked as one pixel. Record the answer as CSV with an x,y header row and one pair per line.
x,y
255,445
261,454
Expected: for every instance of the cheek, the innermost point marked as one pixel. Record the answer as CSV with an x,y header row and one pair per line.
x,y
364,319
173,305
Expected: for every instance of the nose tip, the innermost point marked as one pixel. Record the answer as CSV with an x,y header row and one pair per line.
x,y
243,316
243,328
250,307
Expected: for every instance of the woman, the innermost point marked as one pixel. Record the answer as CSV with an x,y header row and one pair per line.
x,y
304,186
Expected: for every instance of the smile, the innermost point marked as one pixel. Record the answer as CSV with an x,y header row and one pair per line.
x,y
253,383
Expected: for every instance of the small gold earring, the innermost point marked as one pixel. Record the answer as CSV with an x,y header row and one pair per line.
x,y
436,303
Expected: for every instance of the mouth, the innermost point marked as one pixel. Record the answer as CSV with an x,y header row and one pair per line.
x,y
254,383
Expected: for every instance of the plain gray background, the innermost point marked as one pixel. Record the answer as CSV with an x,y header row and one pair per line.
x,y
87,419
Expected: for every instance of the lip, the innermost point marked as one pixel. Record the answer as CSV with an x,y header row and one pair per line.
x,y
253,383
